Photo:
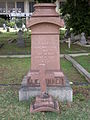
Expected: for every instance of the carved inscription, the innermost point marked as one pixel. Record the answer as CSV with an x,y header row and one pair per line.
x,y
45,51
50,82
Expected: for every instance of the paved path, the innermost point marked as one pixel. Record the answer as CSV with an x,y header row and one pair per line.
x,y
26,56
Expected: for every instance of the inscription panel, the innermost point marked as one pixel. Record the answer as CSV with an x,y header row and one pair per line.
x,y
50,82
45,50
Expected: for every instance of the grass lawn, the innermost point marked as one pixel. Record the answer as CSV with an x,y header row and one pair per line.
x,y
12,109
14,49
13,70
84,61
74,49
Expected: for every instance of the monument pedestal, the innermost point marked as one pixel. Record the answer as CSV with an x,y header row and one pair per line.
x,y
62,93
52,77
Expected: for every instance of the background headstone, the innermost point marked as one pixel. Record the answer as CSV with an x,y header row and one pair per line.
x,y
4,27
8,29
20,41
15,27
83,39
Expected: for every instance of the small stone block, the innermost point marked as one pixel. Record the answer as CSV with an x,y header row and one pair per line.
x,y
44,104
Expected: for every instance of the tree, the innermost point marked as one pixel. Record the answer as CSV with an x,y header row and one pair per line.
x,y
77,15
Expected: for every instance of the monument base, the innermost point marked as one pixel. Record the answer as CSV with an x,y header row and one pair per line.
x,y
63,93
44,103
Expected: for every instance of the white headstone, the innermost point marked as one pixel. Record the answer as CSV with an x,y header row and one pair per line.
x,y
83,39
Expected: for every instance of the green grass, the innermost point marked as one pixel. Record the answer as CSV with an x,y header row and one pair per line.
x,y
14,49
12,109
12,70
84,61
74,49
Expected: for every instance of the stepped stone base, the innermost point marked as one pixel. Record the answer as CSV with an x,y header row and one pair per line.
x,y
63,93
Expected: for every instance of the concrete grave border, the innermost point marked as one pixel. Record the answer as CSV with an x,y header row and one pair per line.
x,y
79,67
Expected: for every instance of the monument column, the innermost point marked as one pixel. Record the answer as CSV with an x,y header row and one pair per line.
x,y
6,6
15,6
26,6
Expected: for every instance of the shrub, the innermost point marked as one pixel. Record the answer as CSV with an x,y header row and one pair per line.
x,y
19,23
10,24
2,21
77,15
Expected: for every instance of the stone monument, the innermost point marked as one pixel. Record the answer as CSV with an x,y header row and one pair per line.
x,y
45,25
83,39
45,75
20,41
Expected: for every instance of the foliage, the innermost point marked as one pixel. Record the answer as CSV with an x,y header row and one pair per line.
x,y
46,1
19,23
10,24
2,21
62,34
77,15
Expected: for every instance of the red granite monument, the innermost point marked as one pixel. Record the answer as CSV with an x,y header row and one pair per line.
x,y
45,78
44,25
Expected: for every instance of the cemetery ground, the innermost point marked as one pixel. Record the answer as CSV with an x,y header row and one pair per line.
x,y
83,60
8,45
12,70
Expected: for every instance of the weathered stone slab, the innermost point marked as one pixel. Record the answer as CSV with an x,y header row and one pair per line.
x,y
79,68
20,41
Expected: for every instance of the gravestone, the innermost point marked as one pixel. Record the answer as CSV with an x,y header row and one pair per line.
x,y
15,27
72,37
45,45
44,25
20,41
4,26
83,39
8,29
